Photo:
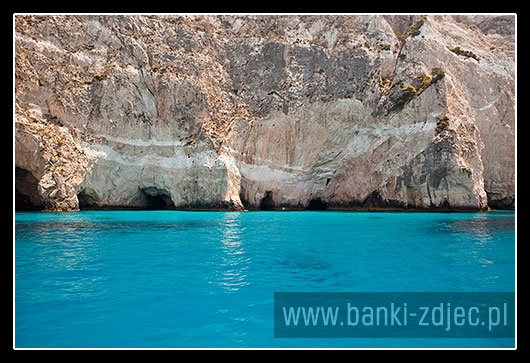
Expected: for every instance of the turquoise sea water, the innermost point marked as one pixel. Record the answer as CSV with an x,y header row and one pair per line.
x,y
207,279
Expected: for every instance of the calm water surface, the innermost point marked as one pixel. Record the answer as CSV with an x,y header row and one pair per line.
x,y
207,279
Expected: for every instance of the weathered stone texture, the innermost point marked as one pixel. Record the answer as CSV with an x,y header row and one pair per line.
x,y
235,112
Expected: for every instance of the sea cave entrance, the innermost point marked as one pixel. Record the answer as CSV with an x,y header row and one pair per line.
x,y
267,203
157,199
87,199
27,195
317,204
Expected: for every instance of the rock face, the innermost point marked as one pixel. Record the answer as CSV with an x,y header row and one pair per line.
x,y
233,112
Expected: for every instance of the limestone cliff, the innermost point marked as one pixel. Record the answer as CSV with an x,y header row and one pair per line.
x,y
232,112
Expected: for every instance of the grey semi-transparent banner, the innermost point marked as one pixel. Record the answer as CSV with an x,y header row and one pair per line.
x,y
394,314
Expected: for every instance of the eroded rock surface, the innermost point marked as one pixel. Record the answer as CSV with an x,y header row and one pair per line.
x,y
232,112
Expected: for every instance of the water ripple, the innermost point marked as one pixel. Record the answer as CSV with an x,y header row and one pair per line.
x,y
208,278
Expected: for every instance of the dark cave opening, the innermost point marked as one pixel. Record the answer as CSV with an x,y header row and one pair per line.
x,y
500,203
26,191
157,202
267,203
86,199
157,199
317,204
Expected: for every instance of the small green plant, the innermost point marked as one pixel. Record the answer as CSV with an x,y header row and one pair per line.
x,y
442,124
409,92
425,81
466,169
436,74
419,84
99,76
385,83
414,29
464,53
